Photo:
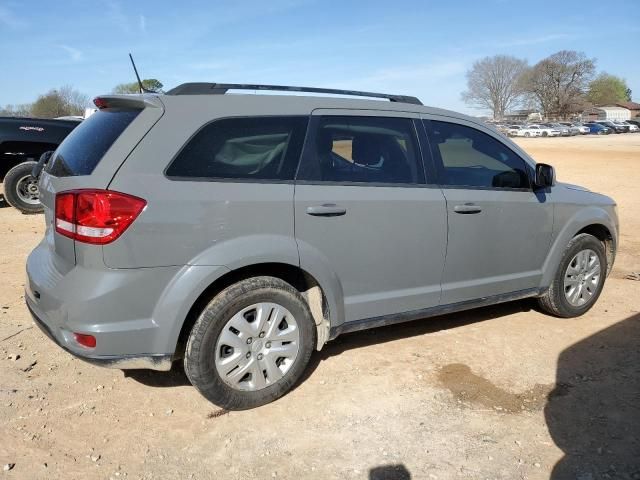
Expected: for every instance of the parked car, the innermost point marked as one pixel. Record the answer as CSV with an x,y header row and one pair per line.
x,y
634,122
522,131
598,129
614,127
22,142
573,130
170,230
632,127
564,130
583,129
545,131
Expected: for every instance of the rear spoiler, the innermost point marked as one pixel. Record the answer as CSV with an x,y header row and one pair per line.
x,y
135,101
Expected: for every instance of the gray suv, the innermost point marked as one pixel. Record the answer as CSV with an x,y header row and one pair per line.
x,y
242,232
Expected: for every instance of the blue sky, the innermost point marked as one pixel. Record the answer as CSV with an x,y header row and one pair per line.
x,y
412,47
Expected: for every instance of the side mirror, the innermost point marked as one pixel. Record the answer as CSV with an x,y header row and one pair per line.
x,y
545,175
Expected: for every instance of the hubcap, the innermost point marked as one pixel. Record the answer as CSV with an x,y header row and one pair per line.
x,y
582,277
257,346
27,190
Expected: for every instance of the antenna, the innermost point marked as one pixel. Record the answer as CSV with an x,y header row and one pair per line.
x,y
142,89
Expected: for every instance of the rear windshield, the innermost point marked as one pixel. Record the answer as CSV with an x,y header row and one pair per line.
x,y
82,150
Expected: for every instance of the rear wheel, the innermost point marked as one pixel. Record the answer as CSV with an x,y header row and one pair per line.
x,y
579,279
250,344
21,188
527,134
544,134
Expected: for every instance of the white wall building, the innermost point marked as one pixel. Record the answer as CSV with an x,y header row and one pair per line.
x,y
613,113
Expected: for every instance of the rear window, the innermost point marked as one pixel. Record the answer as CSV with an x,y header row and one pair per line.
x,y
82,150
260,148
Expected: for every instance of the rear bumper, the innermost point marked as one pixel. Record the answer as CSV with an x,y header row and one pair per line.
x,y
117,307
152,362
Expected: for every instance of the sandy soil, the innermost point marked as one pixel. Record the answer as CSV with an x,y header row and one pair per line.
x,y
497,393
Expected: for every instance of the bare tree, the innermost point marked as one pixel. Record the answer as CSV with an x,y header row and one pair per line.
x,y
494,83
22,110
559,82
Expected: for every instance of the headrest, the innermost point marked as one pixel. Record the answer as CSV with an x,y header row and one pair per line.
x,y
366,149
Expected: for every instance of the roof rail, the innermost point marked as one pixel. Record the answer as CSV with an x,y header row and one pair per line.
x,y
222,88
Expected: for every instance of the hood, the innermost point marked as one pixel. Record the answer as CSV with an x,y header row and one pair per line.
x,y
570,186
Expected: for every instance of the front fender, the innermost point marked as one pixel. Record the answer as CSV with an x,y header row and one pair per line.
x,y
572,223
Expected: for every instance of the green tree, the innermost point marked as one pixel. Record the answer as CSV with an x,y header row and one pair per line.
x,y
151,84
607,89
59,103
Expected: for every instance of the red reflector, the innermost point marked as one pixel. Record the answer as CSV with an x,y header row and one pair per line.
x,y
95,216
85,340
100,102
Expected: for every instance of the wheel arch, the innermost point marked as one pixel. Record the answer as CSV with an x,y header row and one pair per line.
x,y
14,153
592,220
602,233
300,279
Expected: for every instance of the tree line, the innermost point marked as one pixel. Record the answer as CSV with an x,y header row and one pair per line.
x,y
66,101
560,85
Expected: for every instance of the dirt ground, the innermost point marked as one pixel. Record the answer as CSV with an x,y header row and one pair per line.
x,y
498,393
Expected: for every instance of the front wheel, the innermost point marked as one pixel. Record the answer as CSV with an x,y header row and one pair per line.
x,y
579,279
251,343
21,188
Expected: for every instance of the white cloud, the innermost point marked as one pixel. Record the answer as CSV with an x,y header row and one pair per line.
x,y
75,55
143,24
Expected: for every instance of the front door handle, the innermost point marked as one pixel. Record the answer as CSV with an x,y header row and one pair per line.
x,y
467,209
326,210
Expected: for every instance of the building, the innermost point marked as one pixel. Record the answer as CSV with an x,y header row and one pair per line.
x,y
523,115
633,107
607,113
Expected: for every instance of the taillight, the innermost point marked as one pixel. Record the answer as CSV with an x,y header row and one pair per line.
x,y
100,103
95,216
85,340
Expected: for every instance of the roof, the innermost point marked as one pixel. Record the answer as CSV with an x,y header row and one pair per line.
x,y
611,108
201,88
629,105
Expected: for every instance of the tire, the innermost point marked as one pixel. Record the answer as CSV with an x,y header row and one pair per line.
x,y
544,134
527,134
21,188
214,340
555,301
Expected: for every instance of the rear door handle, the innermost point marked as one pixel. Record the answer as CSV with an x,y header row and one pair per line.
x,y
467,209
326,210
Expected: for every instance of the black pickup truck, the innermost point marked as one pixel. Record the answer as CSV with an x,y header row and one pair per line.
x,y
22,141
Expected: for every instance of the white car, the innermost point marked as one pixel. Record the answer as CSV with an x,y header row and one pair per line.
x,y
518,131
584,130
632,127
545,131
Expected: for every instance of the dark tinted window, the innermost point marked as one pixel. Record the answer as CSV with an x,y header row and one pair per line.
x,y
266,148
85,146
363,149
468,157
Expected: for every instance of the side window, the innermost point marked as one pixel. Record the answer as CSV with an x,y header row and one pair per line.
x,y
468,157
363,149
265,148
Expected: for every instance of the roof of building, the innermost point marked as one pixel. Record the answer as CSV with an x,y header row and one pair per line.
x,y
611,108
629,105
